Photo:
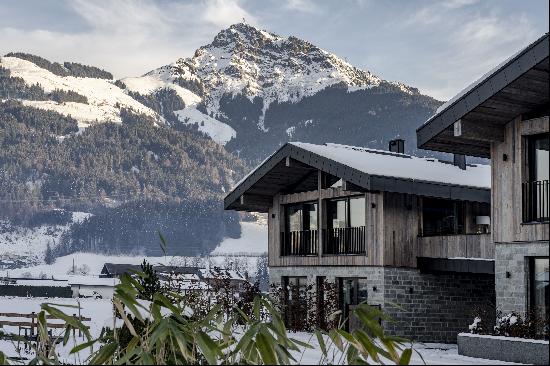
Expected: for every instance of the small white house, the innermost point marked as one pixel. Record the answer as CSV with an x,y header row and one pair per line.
x,y
94,287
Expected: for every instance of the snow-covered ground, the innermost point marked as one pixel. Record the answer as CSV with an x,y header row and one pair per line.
x,y
426,353
20,242
105,99
253,240
245,250
218,131
101,310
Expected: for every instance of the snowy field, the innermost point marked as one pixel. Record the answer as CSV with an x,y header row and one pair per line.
x,y
253,241
101,313
17,241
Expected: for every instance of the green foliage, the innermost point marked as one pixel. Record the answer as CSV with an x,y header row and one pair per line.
x,y
149,281
167,335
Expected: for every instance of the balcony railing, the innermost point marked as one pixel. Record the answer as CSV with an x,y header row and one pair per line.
x,y
348,240
535,201
304,242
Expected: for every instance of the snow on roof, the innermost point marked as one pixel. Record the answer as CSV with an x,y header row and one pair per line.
x,y
388,164
92,281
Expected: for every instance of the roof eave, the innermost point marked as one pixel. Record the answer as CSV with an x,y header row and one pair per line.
x,y
526,60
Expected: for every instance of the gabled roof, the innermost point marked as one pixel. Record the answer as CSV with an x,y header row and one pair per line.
x,y
117,269
516,86
368,169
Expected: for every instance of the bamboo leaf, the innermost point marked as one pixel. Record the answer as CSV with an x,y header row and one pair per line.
x,y
266,351
405,357
104,354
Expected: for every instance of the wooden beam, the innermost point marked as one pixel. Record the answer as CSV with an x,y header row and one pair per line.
x,y
348,186
253,199
477,131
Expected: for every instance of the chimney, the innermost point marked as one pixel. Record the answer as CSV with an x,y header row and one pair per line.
x,y
397,146
460,161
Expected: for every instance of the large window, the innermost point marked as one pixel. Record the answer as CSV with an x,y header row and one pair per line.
x,y
352,291
345,233
540,290
536,187
300,236
302,216
348,212
295,297
442,217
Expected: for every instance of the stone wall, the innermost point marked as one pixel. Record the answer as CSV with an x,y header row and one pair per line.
x,y
439,307
512,292
436,307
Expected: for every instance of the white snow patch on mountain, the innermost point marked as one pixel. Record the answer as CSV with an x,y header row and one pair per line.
x,y
104,98
218,131
84,114
31,243
149,84
255,63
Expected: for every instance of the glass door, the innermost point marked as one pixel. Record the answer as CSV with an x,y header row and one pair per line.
x,y
352,292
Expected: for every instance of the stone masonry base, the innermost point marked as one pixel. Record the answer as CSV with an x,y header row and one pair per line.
x,y
423,307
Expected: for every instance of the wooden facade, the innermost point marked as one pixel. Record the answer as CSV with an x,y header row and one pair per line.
x,y
392,235
509,170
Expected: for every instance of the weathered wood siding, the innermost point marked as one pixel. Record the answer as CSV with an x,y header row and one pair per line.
x,y
374,229
452,246
507,176
393,224
402,220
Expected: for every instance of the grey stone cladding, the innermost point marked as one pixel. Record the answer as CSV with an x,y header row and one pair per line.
x,y
512,291
436,307
433,307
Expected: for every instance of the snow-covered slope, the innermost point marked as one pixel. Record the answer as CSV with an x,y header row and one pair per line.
x,y
30,243
244,60
228,88
105,99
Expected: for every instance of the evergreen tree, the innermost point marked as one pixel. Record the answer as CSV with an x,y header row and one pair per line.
x,y
150,281
48,256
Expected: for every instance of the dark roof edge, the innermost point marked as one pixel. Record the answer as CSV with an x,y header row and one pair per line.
x,y
359,178
511,70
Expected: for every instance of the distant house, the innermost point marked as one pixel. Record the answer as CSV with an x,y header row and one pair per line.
x,y
385,227
188,278
94,287
504,116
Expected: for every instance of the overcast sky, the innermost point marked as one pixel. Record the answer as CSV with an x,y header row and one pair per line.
x,y
437,46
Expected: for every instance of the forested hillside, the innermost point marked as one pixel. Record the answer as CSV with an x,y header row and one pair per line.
x,y
135,177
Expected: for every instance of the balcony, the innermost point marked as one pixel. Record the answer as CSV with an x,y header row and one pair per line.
x,y
535,201
338,241
456,246
344,241
299,243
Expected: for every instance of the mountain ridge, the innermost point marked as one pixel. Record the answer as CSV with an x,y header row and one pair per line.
x,y
175,139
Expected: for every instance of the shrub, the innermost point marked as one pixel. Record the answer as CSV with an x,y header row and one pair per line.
x,y
162,331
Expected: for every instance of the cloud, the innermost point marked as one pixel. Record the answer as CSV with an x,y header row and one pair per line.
x,y
306,6
129,37
464,43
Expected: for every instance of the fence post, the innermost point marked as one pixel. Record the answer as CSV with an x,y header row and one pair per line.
x,y
32,323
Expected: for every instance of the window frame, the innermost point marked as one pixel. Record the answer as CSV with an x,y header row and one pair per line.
x,y
347,200
302,218
531,283
459,210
